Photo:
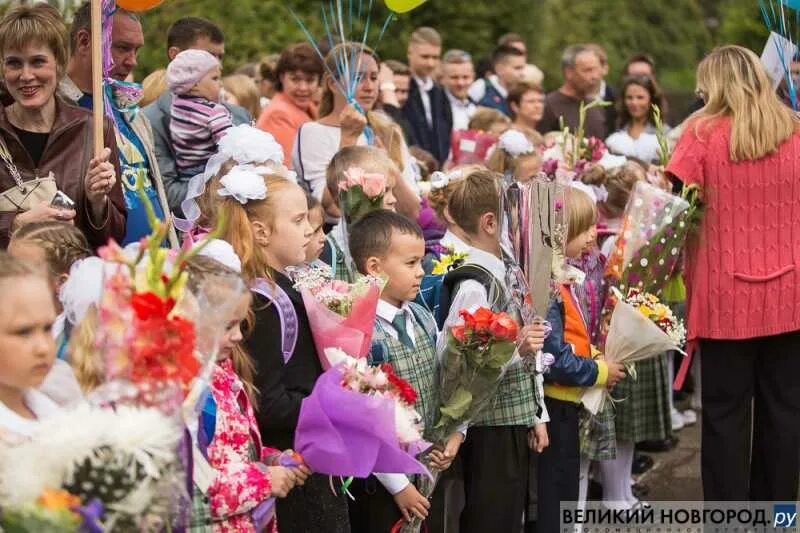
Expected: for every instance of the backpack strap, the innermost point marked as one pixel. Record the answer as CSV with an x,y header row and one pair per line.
x,y
328,255
450,285
286,314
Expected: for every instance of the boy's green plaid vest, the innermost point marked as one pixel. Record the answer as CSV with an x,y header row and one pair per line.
x,y
416,365
338,265
517,400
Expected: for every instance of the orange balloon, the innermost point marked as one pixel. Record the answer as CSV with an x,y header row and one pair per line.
x,y
138,5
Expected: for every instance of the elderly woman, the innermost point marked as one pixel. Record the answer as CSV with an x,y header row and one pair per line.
x,y
298,73
45,144
743,278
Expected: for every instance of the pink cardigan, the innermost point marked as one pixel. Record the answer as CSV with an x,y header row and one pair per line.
x,y
282,119
742,273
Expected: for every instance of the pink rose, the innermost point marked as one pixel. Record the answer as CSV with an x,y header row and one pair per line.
x,y
341,287
373,185
352,176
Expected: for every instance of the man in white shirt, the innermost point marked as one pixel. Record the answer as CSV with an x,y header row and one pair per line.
x,y
427,109
459,73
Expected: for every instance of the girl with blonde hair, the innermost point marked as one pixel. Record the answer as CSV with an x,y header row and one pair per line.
x,y
743,278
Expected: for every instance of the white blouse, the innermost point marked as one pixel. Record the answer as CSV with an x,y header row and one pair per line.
x,y
14,428
644,148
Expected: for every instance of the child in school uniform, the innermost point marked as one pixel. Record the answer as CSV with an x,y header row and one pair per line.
x,y
268,228
573,370
387,244
371,160
495,456
27,349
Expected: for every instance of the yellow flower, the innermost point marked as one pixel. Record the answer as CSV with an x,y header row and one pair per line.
x,y
57,500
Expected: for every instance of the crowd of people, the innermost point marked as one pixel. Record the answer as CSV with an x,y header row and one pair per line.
x,y
266,150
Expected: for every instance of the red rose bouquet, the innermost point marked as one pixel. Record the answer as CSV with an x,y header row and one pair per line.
x,y
473,364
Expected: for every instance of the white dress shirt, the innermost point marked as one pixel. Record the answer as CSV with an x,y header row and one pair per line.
x,y
451,241
462,110
425,86
14,428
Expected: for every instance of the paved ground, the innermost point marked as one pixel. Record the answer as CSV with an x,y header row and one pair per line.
x,y
676,474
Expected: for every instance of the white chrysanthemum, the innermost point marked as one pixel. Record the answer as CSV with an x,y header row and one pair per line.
x,y
407,423
336,356
62,441
223,252
515,143
83,288
244,184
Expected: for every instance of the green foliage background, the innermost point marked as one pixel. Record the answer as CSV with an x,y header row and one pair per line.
x,y
676,33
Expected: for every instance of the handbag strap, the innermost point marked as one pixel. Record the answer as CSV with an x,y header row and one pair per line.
x,y
5,155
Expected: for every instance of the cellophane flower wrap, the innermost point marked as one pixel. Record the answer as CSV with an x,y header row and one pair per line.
x,y
359,419
360,192
54,511
341,314
472,365
641,327
654,232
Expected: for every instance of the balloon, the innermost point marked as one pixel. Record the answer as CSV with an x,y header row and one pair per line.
x,y
403,6
138,5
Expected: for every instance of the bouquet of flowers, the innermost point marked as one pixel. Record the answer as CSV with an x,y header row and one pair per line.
x,y
360,192
54,511
641,327
341,314
359,419
124,462
448,262
476,353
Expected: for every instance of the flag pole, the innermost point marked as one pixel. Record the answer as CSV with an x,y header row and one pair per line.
x,y
97,75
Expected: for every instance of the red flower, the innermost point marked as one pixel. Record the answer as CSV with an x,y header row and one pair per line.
x,y
504,327
404,388
468,318
163,350
483,319
458,333
150,306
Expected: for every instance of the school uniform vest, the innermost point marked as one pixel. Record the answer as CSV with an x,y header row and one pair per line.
x,y
493,99
334,257
576,334
516,401
416,365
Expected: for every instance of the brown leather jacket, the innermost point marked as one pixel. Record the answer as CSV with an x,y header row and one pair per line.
x,y
66,155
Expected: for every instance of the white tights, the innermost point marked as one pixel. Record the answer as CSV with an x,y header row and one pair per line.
x,y
616,478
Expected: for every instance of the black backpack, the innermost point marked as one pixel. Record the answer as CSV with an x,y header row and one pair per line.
x,y
450,285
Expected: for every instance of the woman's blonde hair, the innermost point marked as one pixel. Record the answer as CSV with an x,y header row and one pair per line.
x,y
201,268
246,92
386,130
84,357
39,23
581,212
733,83
153,86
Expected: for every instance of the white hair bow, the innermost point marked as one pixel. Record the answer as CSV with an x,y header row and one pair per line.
x,y
440,180
598,193
223,252
243,183
515,143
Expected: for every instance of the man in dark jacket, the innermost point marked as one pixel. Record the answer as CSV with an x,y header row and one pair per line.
x,y
185,34
427,109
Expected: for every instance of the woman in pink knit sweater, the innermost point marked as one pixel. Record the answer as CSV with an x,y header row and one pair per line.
x,y
743,278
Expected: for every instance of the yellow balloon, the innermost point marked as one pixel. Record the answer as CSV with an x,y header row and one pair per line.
x,y
403,6
138,5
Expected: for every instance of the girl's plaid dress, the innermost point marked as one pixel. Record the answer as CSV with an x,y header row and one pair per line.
x,y
241,482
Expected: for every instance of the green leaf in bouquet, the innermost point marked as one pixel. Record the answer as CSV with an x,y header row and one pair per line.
x,y
457,404
37,519
499,353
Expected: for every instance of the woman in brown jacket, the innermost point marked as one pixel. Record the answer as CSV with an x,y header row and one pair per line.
x,y
43,135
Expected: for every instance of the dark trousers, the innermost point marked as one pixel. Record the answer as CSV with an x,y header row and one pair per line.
x,y
375,511
495,460
313,508
752,383
559,464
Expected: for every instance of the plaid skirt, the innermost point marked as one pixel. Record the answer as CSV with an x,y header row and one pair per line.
x,y
643,412
598,436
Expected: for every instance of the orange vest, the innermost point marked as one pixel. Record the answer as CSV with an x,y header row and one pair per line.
x,y
575,331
